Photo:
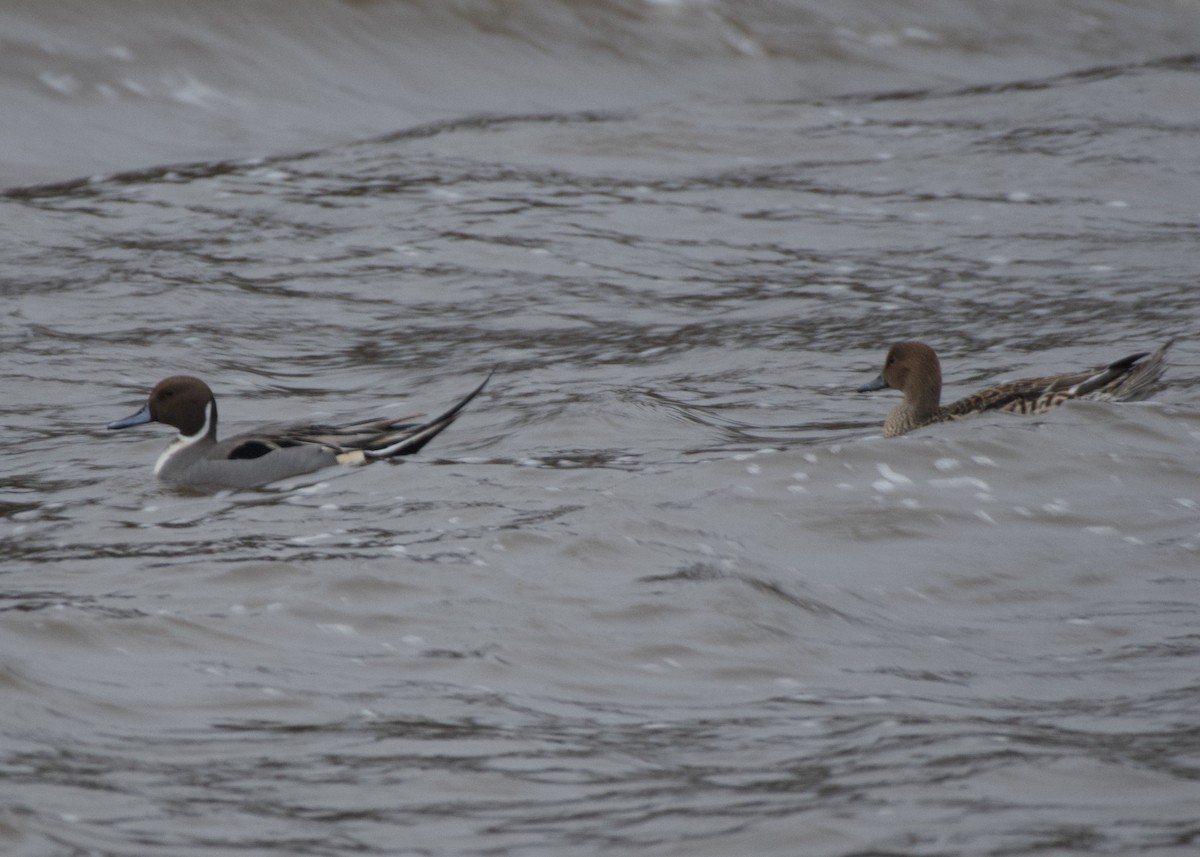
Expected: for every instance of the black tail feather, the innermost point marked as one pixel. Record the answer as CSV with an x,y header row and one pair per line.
x,y
421,434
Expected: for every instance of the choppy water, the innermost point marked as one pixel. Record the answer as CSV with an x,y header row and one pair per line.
x,y
662,590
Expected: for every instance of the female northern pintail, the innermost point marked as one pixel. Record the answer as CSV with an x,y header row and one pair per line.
x,y
913,368
197,460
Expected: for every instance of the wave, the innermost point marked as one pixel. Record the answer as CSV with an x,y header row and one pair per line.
x,y
103,85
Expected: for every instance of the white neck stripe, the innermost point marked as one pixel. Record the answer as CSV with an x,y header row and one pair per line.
x,y
184,441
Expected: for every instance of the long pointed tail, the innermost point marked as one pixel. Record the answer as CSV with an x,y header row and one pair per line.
x,y
420,435
1144,378
1126,379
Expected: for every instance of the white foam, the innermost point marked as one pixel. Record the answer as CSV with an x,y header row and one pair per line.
x,y
64,84
891,475
339,628
961,482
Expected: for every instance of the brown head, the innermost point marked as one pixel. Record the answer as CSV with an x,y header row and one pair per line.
x,y
180,401
912,368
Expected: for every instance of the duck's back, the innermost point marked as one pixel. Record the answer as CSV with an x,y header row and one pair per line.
x,y
1125,380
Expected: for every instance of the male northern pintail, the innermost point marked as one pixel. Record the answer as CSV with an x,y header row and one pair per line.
x,y
196,459
913,368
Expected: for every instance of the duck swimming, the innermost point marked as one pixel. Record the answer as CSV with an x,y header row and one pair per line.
x,y
914,369
196,459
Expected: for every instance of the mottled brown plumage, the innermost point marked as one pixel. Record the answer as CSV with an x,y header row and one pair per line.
x,y
913,368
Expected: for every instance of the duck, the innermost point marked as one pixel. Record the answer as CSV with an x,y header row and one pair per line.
x,y
914,369
197,460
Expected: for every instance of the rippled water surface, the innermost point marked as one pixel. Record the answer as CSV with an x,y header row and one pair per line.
x,y
662,589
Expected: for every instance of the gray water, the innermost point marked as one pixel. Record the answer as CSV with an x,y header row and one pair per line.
x,y
662,589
